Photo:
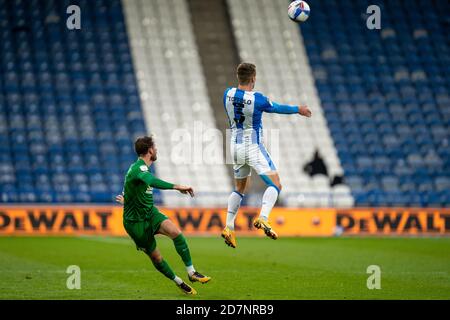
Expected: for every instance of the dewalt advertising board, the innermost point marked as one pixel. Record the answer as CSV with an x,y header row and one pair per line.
x,y
107,220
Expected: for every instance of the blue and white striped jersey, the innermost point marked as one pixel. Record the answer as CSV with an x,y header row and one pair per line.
x,y
244,110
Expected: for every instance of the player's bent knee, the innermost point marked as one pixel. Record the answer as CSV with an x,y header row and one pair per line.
x,y
277,186
156,257
169,229
241,190
272,182
175,233
241,185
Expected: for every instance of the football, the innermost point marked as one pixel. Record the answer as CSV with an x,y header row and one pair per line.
x,y
298,11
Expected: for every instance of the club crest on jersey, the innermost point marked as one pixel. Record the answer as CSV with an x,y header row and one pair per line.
x,y
143,168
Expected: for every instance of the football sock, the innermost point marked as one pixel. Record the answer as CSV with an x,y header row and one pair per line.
x,y
165,269
178,280
183,250
234,201
190,269
268,201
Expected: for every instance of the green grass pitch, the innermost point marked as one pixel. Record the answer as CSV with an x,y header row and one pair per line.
x,y
260,268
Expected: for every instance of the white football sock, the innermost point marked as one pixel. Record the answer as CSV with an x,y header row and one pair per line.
x,y
178,280
234,202
268,201
190,269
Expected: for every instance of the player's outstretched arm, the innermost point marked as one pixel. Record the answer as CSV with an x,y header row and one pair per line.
x,y
154,182
184,189
273,107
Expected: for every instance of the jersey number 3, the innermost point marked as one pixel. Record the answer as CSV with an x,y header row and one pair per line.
x,y
238,112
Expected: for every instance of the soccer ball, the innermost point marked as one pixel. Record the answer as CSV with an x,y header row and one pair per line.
x,y
298,11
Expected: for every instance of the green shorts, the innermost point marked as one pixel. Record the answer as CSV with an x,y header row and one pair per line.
x,y
143,232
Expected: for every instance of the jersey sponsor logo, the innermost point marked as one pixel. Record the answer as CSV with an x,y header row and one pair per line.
x,y
143,168
239,100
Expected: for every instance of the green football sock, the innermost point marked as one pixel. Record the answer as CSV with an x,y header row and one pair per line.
x,y
165,269
183,250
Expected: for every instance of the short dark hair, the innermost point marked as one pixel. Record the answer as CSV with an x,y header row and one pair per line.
x,y
245,72
142,144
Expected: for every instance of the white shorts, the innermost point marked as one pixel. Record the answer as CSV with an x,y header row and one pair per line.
x,y
250,155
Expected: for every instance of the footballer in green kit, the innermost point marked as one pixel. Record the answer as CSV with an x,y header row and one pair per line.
x,y
142,220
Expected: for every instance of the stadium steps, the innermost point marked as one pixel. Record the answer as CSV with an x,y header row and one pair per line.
x,y
174,99
219,57
217,50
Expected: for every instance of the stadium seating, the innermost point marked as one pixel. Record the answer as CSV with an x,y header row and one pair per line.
x,y
69,104
72,101
175,100
269,39
385,95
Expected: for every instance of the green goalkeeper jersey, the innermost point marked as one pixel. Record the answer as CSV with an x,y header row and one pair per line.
x,y
138,191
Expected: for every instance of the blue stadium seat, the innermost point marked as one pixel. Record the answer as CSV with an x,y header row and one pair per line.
x,y
386,97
